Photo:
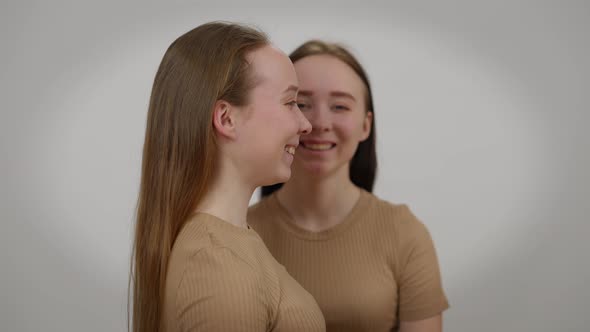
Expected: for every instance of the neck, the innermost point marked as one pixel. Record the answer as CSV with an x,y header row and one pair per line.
x,y
227,198
318,203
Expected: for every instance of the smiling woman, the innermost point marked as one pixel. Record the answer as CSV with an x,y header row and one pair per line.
x,y
333,98
222,120
370,264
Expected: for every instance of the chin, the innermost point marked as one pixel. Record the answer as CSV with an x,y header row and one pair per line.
x,y
315,168
280,177
284,177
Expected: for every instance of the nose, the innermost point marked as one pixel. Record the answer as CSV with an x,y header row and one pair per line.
x,y
320,119
304,125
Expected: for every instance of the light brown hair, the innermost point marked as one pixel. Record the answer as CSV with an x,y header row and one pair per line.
x,y
202,66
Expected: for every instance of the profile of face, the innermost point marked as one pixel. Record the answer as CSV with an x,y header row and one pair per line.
x,y
268,128
333,98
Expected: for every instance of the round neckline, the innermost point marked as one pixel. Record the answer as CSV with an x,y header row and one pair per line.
x,y
222,224
288,223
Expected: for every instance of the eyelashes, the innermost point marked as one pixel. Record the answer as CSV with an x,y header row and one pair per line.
x,y
341,108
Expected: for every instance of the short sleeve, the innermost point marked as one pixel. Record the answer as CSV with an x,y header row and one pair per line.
x,y
220,292
421,294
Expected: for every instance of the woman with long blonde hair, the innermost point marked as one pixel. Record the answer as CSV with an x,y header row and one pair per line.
x,y
222,120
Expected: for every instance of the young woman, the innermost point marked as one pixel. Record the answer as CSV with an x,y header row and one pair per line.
x,y
222,120
371,265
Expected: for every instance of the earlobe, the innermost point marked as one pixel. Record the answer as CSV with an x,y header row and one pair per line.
x,y
367,121
224,121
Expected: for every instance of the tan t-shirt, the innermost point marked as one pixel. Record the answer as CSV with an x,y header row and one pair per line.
x,y
375,268
223,278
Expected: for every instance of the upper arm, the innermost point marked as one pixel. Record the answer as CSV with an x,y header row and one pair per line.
x,y
432,324
421,294
219,292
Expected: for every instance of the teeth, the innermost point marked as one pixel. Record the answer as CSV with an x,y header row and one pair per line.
x,y
290,149
318,146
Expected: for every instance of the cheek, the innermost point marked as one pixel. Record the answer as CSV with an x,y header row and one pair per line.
x,y
349,128
284,121
266,117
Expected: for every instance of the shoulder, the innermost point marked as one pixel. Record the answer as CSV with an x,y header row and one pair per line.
x,y
394,216
219,262
194,237
397,228
200,249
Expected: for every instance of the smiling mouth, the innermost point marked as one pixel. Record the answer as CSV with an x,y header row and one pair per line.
x,y
318,147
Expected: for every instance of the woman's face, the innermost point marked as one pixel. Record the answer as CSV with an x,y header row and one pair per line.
x,y
272,122
333,98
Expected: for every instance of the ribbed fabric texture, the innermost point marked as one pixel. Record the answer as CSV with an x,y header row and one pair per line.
x,y
223,278
377,267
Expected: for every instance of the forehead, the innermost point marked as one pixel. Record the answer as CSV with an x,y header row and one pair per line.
x,y
272,69
325,73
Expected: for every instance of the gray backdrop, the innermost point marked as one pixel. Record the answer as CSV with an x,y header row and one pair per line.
x,y
481,111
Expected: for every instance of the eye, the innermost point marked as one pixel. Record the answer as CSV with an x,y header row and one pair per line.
x,y
340,108
302,106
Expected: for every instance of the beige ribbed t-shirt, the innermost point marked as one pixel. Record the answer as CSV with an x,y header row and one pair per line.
x,y
377,267
223,278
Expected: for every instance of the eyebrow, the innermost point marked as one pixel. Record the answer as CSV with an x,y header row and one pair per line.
x,y
342,94
309,93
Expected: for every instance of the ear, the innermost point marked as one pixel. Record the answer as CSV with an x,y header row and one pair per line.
x,y
367,121
224,119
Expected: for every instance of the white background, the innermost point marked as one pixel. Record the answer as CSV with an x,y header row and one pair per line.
x,y
482,114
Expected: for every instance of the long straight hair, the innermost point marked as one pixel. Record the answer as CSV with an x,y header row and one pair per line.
x,y
363,166
202,66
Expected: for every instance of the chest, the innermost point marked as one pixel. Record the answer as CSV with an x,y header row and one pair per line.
x,y
297,310
354,286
